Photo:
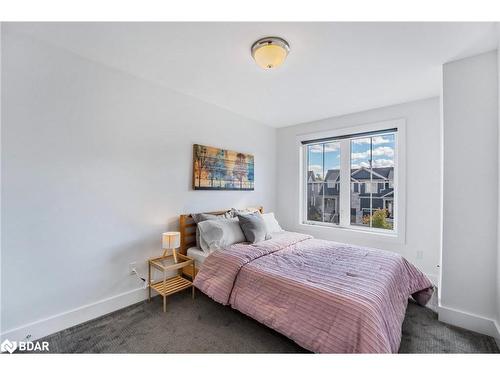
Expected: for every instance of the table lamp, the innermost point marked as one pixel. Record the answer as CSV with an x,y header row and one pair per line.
x,y
171,240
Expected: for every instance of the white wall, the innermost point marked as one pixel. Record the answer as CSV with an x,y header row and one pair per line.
x,y
1,26
498,227
470,191
96,164
423,181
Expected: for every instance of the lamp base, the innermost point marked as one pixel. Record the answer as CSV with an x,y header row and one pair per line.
x,y
174,253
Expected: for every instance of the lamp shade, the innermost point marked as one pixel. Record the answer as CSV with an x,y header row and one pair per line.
x,y
171,240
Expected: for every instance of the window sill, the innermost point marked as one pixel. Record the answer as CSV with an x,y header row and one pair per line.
x,y
392,237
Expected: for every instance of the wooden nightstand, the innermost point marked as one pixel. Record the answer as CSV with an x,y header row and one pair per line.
x,y
173,284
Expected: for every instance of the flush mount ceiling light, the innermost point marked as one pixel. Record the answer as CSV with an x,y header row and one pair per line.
x,y
270,52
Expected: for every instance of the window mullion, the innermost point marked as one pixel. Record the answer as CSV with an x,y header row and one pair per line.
x,y
324,185
345,183
371,182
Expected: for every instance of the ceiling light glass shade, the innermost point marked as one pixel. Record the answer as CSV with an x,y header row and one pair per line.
x,y
270,52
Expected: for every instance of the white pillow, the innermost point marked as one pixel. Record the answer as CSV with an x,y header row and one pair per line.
x,y
272,225
219,234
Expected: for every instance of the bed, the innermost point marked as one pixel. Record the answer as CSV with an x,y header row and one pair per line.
x,y
328,297
187,228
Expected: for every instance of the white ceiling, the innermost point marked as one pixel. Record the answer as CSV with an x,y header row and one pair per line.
x,y
332,69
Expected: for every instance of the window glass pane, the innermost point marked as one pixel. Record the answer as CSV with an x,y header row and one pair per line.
x,y
331,188
372,167
315,180
360,163
383,150
323,182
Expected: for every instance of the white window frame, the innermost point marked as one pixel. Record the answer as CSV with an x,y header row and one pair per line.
x,y
398,232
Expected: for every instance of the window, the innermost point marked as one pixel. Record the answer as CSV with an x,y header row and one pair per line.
x,y
372,162
323,165
351,180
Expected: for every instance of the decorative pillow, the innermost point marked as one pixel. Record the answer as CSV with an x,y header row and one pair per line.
x,y
254,227
219,234
243,211
198,218
272,225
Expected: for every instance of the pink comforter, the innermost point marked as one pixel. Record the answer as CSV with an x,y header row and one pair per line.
x,y
328,297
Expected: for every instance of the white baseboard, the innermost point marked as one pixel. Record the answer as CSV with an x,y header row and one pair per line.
x,y
469,321
58,322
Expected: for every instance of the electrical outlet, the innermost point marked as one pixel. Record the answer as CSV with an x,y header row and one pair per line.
x,y
420,254
131,267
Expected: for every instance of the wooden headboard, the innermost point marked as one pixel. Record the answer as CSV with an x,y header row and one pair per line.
x,y
187,227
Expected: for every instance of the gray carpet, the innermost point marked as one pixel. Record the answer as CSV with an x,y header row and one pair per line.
x,y
204,326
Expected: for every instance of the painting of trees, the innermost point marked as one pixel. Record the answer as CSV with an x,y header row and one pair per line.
x,y
221,169
200,159
250,170
240,168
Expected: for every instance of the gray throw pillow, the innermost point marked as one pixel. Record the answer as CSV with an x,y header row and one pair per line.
x,y
220,234
198,218
253,227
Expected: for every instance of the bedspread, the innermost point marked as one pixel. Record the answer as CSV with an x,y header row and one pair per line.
x,y
328,297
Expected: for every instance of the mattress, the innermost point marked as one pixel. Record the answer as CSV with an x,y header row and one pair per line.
x,y
198,255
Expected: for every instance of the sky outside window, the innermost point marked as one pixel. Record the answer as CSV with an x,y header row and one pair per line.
x,y
383,152
320,162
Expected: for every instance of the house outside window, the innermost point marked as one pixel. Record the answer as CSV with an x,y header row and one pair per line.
x,y
351,180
